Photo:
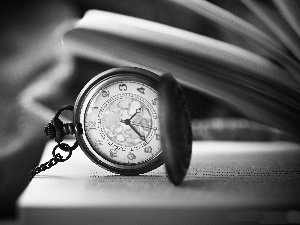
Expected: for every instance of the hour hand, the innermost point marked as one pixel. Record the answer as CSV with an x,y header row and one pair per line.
x,y
127,121
136,112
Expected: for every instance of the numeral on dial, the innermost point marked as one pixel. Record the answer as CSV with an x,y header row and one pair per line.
x,y
113,153
157,136
122,87
91,124
99,142
148,149
105,93
131,156
141,90
155,101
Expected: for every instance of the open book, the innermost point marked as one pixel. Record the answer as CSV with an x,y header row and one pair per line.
x,y
265,89
226,182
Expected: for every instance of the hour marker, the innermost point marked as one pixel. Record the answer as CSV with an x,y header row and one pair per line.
x,y
131,156
113,153
141,89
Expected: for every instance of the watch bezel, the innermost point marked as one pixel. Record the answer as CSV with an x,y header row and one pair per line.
x,y
102,79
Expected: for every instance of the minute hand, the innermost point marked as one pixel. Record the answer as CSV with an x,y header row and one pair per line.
x,y
136,131
140,125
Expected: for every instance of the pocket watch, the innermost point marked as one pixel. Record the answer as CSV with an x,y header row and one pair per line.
x,y
128,121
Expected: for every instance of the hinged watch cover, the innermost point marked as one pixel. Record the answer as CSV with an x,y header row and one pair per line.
x,y
175,125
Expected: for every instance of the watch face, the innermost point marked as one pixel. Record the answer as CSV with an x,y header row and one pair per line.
x,y
118,112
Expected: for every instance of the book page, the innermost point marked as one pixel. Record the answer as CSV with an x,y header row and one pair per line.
x,y
226,181
243,79
221,174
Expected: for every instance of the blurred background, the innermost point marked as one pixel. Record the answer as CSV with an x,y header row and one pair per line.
x,y
31,46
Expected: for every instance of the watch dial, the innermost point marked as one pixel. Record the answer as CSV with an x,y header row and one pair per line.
x,y
121,123
127,122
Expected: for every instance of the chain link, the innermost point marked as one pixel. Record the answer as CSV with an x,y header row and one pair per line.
x,y
57,157
56,130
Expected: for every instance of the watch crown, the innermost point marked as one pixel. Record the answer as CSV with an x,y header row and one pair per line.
x,y
50,131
